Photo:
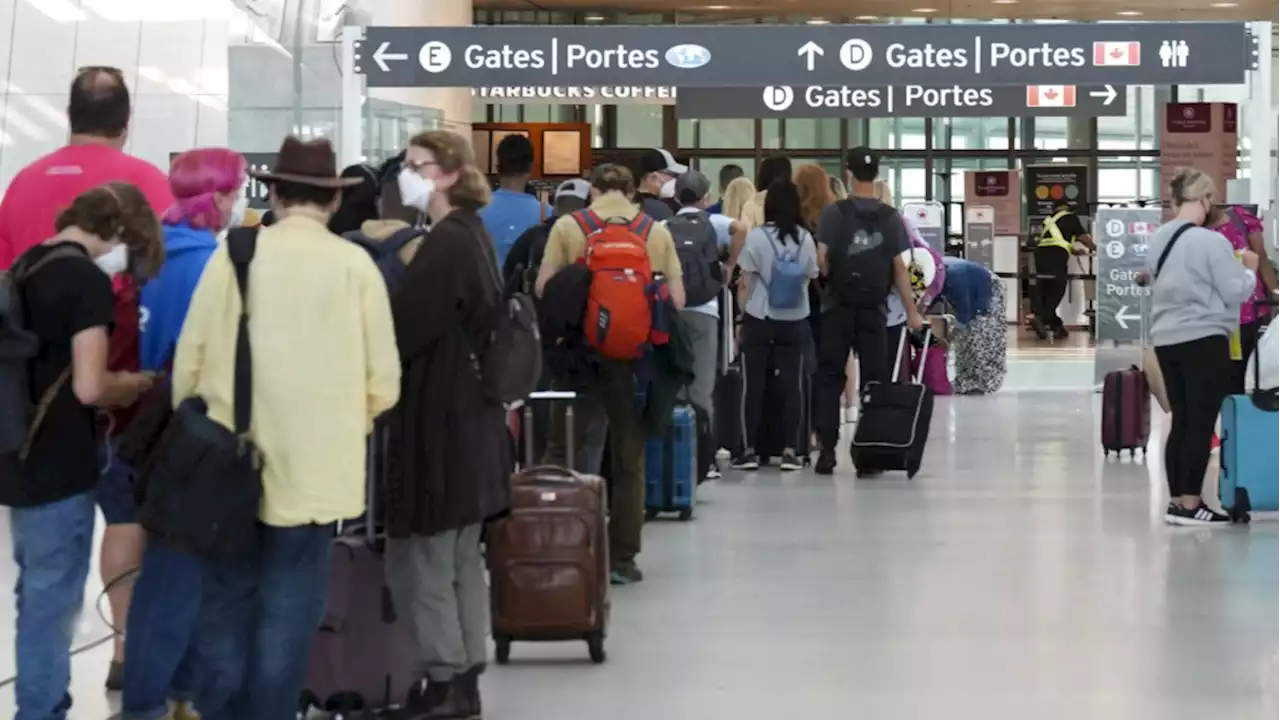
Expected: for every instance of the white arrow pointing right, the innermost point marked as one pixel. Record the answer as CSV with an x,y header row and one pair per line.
x,y
812,50
1122,316
381,56
1109,95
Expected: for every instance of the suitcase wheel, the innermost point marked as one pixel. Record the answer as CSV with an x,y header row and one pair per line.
x,y
306,701
501,648
686,515
1240,510
595,646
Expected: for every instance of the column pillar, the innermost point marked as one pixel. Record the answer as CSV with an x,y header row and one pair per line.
x,y
1260,119
453,103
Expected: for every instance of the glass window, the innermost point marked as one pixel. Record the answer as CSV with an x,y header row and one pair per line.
x,y
771,134
639,126
813,133
1117,184
694,133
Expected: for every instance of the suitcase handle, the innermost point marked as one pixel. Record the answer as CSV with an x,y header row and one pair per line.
x,y
549,395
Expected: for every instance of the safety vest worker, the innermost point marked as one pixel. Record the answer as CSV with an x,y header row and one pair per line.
x,y
1058,241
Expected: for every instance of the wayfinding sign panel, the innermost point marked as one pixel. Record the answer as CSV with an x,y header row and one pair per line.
x,y
980,235
754,55
841,101
1122,235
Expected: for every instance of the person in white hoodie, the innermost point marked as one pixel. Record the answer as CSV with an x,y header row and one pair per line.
x,y
1197,285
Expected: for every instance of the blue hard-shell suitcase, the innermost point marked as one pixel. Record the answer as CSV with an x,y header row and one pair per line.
x,y
671,467
1248,480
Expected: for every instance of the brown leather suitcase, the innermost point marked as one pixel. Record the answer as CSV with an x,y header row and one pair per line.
x,y
549,559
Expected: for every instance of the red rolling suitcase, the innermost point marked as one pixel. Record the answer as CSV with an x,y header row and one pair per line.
x,y
1126,411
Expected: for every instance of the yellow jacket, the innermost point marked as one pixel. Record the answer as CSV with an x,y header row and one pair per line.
x,y
325,363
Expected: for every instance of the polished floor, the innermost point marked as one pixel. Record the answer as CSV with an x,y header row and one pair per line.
x,y
1018,576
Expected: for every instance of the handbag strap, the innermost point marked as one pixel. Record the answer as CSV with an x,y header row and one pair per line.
x,y
1169,246
241,245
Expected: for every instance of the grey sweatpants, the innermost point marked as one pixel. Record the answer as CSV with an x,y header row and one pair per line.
x,y
438,585
704,336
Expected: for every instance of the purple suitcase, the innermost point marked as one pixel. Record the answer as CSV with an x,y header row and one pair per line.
x,y
1126,412
363,658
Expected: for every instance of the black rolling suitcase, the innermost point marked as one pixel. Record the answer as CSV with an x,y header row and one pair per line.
x,y
728,395
893,426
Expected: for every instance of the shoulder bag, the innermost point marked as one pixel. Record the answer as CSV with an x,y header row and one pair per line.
x,y
204,481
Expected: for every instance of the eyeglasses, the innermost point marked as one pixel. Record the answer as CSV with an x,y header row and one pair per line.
x,y
415,166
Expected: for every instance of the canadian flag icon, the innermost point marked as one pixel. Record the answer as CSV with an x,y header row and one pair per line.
x,y
1142,228
1051,96
1117,53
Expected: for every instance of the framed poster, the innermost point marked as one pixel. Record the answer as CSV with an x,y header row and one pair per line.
x,y
562,152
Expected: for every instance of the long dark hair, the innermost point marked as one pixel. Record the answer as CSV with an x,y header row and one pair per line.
x,y
359,203
782,209
772,169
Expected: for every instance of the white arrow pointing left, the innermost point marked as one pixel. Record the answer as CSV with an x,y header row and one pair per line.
x,y
381,56
1122,317
1108,95
811,50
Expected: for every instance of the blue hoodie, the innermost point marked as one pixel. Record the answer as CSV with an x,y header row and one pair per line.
x,y
166,298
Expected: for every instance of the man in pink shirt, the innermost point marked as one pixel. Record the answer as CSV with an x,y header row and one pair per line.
x,y
98,110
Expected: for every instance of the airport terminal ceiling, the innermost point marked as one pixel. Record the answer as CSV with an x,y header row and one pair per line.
x,y
872,10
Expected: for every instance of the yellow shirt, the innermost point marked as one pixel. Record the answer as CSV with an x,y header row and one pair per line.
x,y
325,364
566,243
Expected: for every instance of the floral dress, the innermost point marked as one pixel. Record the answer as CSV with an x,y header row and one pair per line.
x,y
981,347
1239,226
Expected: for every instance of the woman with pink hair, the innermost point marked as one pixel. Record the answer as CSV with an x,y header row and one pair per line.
x,y
207,187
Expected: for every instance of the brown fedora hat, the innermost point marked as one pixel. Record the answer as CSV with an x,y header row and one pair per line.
x,y
309,162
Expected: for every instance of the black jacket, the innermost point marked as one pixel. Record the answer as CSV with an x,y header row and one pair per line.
x,y
449,457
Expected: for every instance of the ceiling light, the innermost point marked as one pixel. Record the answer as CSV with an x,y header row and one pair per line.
x,y
1224,5
594,18
717,7
817,21
866,17
925,10
1005,2
1129,13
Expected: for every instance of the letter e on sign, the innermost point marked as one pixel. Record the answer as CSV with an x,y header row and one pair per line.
x,y
435,57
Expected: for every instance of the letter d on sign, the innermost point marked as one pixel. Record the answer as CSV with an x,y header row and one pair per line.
x,y
778,98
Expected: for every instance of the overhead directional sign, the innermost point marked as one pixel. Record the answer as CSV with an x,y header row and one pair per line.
x,y
967,55
1122,235
840,101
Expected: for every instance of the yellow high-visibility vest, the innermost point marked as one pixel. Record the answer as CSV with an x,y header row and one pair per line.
x,y
1051,235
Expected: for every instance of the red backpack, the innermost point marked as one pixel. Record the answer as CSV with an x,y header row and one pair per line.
x,y
619,318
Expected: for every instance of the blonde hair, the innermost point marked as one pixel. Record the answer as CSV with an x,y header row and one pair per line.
x,y
736,196
838,189
1190,185
453,153
883,193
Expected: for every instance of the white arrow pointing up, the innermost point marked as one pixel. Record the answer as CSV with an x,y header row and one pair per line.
x,y
1122,317
381,56
811,50
1109,94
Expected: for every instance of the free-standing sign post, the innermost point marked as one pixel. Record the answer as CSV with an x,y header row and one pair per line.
x,y
967,55
928,219
980,235
840,101
1122,235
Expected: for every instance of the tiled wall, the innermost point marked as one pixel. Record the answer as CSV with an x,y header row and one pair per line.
x,y
173,54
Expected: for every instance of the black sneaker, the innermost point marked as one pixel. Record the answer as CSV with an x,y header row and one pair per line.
x,y
826,464
1201,516
746,461
1040,329
791,462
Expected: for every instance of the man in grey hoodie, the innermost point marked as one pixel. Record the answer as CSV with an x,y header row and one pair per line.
x,y
1197,285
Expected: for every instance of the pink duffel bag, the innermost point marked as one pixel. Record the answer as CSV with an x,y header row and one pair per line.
x,y
935,369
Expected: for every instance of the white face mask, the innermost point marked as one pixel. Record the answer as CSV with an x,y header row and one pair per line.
x,y
237,212
415,190
113,261
668,189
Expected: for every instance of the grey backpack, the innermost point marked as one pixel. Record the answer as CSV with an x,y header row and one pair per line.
x,y
698,249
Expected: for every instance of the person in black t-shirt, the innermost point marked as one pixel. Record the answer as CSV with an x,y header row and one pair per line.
x,y
69,306
1058,242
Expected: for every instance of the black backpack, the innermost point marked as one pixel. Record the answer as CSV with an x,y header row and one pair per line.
x,y
20,416
698,249
386,254
860,264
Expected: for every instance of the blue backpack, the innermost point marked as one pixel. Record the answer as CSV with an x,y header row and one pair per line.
x,y
386,254
787,281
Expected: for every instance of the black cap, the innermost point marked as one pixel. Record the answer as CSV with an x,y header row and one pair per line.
x,y
863,161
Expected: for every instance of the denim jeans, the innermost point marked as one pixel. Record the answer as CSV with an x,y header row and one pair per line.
x,y
51,546
162,663
258,617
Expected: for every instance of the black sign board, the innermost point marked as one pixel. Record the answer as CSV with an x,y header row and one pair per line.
x,y
968,55
817,101
1049,186
254,191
